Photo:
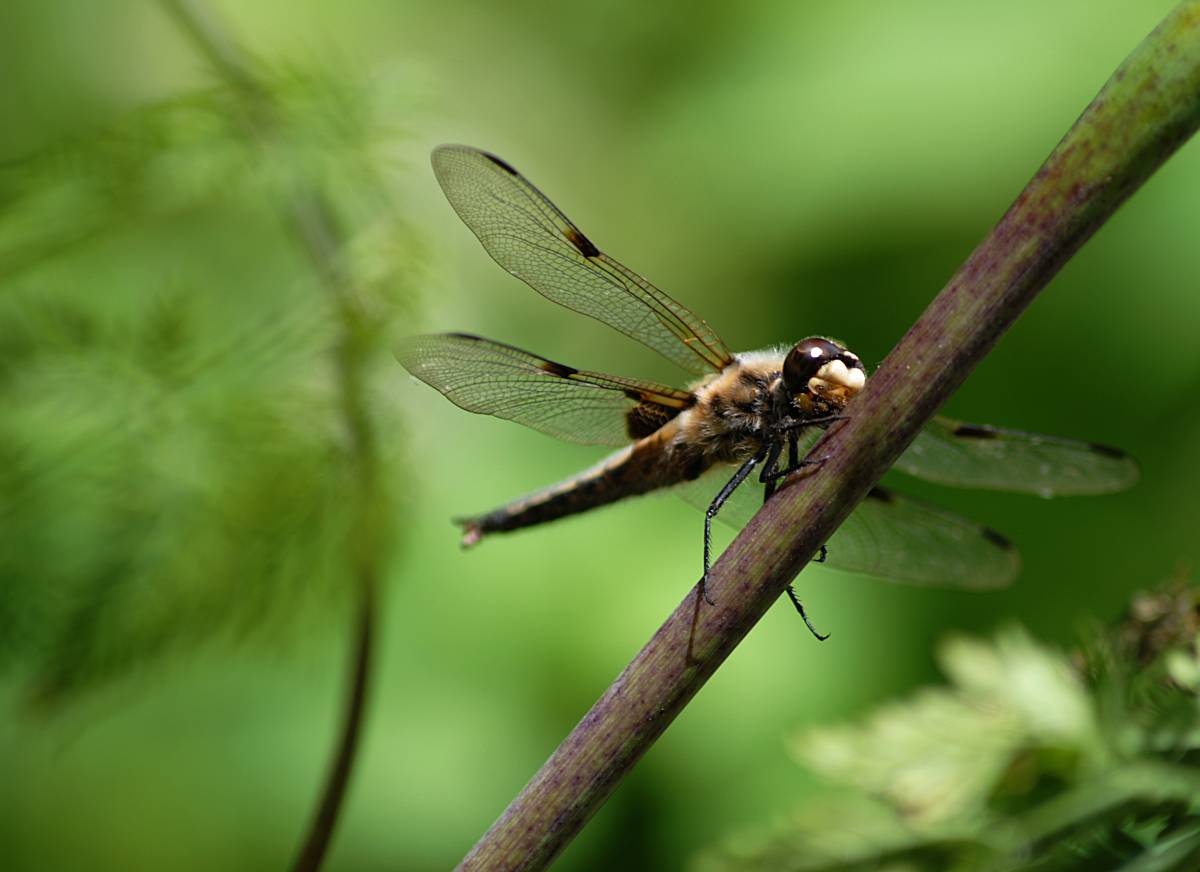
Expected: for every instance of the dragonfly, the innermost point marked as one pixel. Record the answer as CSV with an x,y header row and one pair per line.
x,y
760,410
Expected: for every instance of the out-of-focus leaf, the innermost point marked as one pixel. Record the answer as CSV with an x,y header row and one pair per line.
x,y
1180,851
940,756
173,466
1024,761
845,832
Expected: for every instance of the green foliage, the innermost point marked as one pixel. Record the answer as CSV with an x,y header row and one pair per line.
x,y
173,456
1028,759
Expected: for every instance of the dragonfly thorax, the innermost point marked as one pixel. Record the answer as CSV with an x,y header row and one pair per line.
x,y
763,395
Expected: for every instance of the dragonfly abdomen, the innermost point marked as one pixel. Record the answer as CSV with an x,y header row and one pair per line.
x,y
648,464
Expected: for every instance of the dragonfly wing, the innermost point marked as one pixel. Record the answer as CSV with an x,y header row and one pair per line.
x,y
957,454
901,539
888,536
492,378
527,235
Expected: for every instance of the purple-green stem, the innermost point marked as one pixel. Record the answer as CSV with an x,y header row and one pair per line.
x,y
1149,107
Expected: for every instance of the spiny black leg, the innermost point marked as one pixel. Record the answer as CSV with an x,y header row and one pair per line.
x,y
770,476
767,476
780,474
820,558
730,486
791,592
828,419
793,424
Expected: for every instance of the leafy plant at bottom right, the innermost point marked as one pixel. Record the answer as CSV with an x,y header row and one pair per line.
x,y
1026,759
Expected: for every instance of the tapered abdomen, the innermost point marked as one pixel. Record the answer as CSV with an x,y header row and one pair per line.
x,y
649,464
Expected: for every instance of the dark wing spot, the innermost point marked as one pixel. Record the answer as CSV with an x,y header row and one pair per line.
x,y
645,418
581,242
996,539
650,413
559,369
878,493
975,431
504,165
1108,451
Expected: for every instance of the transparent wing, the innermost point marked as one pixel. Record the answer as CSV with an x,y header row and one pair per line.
x,y
492,378
898,538
527,235
953,453
888,536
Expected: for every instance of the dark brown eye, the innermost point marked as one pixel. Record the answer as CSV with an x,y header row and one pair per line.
x,y
805,359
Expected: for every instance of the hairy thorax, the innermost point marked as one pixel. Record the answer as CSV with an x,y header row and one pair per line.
x,y
728,422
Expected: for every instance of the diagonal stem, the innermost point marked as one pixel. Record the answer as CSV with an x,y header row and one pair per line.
x,y
1147,110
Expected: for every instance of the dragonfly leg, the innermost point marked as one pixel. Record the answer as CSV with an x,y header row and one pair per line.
x,y
828,419
730,486
767,476
792,424
770,475
779,474
793,463
791,592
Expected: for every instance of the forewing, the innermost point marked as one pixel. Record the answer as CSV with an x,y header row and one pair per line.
x,y
957,454
888,536
492,378
527,235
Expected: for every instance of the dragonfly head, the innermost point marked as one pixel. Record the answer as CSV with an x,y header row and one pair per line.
x,y
824,371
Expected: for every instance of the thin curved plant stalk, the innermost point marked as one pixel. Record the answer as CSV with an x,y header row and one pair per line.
x,y
314,222
1149,107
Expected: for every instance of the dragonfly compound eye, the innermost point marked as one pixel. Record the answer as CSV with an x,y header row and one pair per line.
x,y
817,356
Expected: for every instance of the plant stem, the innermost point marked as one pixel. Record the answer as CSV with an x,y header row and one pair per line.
x,y
1148,108
313,220
320,831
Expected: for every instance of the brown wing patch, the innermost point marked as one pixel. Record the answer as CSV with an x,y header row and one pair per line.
x,y
646,417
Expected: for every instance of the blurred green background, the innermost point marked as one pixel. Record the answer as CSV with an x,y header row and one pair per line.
x,y
782,168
